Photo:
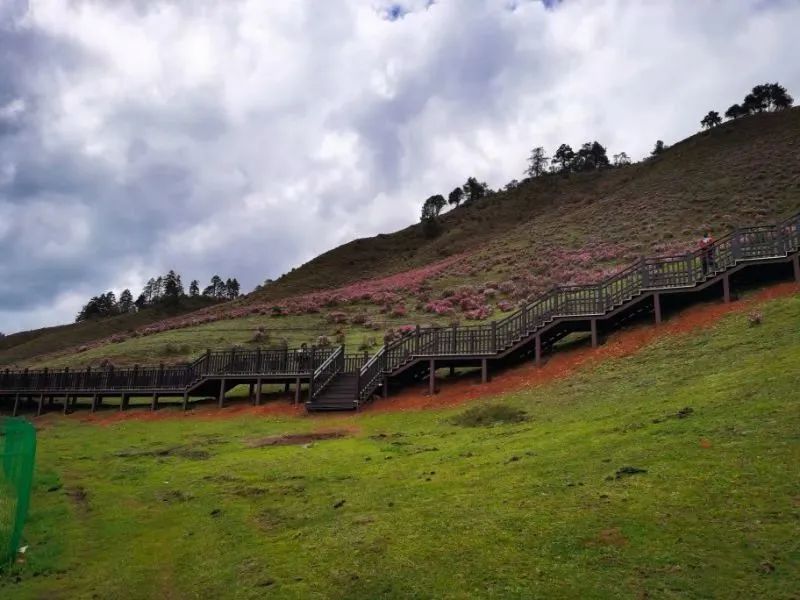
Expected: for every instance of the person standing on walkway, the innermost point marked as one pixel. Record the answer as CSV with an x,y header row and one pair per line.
x,y
706,249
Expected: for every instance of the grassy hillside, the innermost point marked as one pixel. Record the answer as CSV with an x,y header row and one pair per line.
x,y
20,347
491,255
739,173
651,476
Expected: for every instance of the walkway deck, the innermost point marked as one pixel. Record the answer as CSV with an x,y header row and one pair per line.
x,y
330,379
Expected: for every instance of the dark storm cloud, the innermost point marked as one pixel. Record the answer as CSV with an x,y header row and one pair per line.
x,y
244,137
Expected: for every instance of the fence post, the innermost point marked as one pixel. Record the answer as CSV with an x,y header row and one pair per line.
x,y
494,337
455,336
208,361
645,273
735,245
258,360
416,341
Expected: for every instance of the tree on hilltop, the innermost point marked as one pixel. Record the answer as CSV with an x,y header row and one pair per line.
x,y
232,289
658,148
430,215
194,288
621,160
779,98
172,287
455,197
125,303
475,190
537,162
712,119
563,158
735,111
216,289
590,157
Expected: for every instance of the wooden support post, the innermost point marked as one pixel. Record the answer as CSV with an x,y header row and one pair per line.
x,y
222,392
126,402
484,371
258,392
796,263
94,403
185,401
452,370
385,386
594,333
657,307
66,404
122,402
726,288
154,402
16,406
250,393
432,377
296,390
286,387
538,350
40,406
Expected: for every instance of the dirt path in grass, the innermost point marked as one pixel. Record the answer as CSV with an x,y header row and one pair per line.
x,y
563,364
465,388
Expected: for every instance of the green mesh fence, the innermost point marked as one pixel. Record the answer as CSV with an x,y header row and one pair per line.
x,y
17,452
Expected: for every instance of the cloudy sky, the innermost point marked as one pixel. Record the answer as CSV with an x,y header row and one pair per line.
x,y
243,137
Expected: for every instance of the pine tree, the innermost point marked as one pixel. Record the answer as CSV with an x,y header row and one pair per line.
x,y
194,288
125,304
537,162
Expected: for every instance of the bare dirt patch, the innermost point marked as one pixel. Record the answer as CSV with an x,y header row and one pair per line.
x,y
80,497
610,537
296,439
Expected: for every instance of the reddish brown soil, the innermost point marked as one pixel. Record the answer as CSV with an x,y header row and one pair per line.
x,y
276,408
296,439
563,364
466,388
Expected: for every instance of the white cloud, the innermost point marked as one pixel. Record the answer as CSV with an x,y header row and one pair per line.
x,y
245,137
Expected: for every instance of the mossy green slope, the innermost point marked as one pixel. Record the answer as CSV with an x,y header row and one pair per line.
x,y
414,505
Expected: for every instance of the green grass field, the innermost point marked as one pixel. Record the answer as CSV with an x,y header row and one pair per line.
x,y
423,505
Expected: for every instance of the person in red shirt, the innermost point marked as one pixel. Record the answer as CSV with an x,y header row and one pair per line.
x,y
706,247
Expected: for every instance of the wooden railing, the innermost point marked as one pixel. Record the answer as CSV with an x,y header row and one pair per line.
x,y
322,365
664,272
289,362
324,374
371,374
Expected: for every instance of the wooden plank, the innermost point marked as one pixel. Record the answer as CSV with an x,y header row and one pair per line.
x,y
484,371
222,392
154,402
657,307
538,350
726,288
296,391
40,406
185,401
796,264
432,377
594,333
258,389
16,406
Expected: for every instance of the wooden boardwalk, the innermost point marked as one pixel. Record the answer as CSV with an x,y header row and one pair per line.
x,y
330,379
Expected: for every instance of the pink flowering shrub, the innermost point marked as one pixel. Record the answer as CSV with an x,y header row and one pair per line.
x,y
479,314
398,311
439,307
505,306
